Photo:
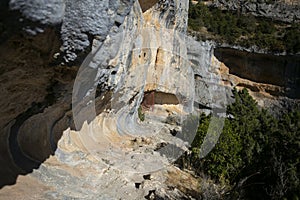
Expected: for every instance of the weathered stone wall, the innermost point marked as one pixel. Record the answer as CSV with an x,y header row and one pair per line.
x,y
283,71
137,49
80,21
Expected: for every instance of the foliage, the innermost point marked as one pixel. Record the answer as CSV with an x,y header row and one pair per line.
x,y
245,30
255,152
141,114
292,38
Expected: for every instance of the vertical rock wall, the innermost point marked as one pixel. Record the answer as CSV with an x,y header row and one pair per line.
x,y
114,155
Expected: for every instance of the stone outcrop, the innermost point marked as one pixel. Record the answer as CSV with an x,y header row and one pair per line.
x,y
80,21
35,100
210,92
113,154
90,143
282,71
273,81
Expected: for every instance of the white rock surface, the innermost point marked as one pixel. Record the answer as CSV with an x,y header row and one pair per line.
x,y
81,20
112,155
44,11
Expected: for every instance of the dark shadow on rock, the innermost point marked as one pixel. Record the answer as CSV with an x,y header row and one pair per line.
x,y
35,98
147,4
30,138
264,68
35,103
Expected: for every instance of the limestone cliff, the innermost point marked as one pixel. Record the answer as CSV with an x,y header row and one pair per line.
x,y
110,153
80,21
272,80
114,131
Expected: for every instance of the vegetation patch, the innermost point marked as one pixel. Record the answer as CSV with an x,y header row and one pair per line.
x,y
245,30
141,114
257,155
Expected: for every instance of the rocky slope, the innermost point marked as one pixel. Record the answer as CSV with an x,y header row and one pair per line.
x,y
83,137
114,154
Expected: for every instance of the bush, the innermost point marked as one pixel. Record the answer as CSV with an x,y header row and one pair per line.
x,y
141,114
256,154
245,30
292,38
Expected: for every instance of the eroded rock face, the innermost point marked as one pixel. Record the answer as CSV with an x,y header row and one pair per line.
x,y
273,81
209,88
148,53
111,153
84,20
46,12
81,20
35,100
102,158
283,71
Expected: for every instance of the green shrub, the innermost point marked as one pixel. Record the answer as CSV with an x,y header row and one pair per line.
x,y
245,30
292,38
141,114
255,152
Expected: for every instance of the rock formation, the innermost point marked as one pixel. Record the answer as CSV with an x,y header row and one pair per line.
x,y
80,21
113,154
86,139
272,80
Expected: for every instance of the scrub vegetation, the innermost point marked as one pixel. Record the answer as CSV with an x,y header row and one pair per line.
x,y
257,155
245,30
141,114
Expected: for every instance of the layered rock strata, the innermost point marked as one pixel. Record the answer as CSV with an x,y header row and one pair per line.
x,y
114,154
133,99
